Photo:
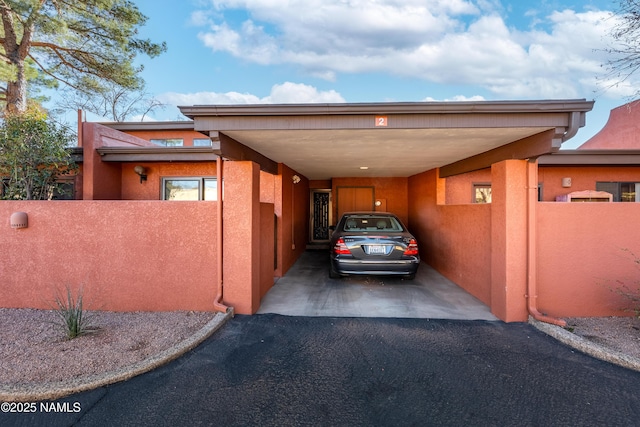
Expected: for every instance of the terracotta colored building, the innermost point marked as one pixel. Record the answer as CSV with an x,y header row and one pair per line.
x,y
476,183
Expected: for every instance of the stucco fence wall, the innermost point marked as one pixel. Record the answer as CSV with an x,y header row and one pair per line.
x,y
127,255
584,253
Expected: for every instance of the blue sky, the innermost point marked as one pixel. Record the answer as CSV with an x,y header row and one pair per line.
x,y
281,51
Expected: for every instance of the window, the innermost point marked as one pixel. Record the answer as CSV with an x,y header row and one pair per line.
x,y
189,189
622,191
481,193
168,142
65,190
201,142
371,223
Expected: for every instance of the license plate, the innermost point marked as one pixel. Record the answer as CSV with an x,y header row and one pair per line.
x,y
377,250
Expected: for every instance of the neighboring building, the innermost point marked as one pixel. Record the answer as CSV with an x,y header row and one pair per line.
x,y
150,233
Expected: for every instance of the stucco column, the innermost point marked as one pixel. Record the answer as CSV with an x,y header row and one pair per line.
x,y
509,240
241,237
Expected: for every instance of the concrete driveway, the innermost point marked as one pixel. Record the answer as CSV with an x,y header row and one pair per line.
x,y
307,290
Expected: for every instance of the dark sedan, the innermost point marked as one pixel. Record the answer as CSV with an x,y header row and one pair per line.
x,y
375,243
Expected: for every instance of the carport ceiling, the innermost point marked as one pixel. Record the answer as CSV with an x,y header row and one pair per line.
x,y
322,141
324,154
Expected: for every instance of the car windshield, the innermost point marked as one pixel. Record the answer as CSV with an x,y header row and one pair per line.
x,y
371,223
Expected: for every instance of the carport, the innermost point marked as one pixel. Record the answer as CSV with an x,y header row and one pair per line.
x,y
396,157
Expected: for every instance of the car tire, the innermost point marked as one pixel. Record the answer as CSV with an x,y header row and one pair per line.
x,y
333,274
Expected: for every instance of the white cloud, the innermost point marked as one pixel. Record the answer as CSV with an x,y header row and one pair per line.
x,y
457,98
441,41
280,94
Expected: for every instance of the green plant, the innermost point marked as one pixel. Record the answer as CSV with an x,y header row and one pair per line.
x,y
72,314
631,292
34,155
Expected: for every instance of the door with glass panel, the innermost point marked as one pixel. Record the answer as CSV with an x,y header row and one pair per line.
x,y
320,215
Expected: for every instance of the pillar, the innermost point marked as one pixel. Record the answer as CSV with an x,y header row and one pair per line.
x,y
241,236
509,240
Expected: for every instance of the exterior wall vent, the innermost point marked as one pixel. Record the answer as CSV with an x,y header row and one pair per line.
x,y
19,220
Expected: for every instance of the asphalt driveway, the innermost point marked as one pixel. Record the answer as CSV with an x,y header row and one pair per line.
x,y
273,370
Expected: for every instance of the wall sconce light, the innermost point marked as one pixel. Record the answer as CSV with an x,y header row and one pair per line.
x,y
142,171
566,182
296,179
19,220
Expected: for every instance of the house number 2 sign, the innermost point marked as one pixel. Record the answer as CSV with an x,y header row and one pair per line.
x,y
381,121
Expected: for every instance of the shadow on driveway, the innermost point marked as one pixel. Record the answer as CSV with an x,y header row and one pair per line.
x,y
307,290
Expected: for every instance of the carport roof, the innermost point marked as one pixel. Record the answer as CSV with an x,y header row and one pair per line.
x,y
322,141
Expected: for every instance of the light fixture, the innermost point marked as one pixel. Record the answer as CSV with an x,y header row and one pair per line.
x,y
296,179
364,168
142,171
566,182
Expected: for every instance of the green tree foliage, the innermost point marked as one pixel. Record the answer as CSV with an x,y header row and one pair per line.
x,y
34,155
82,43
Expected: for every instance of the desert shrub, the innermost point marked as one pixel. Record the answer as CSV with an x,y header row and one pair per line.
x,y
630,291
72,314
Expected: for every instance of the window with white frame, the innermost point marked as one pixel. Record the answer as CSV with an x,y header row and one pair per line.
x,y
189,188
168,142
481,193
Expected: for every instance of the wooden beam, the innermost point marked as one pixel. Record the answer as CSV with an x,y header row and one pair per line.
x,y
530,147
159,154
234,150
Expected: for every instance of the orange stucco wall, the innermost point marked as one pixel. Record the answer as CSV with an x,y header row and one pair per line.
x,y
581,256
151,189
509,234
620,132
453,239
127,255
582,178
292,210
267,250
241,217
459,188
103,180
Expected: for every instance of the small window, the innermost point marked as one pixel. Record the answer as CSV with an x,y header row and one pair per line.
x,y
201,142
190,189
481,193
169,142
64,190
622,191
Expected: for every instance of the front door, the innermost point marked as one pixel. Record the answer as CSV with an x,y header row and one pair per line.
x,y
320,215
351,199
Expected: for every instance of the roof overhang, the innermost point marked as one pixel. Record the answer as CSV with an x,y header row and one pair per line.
x,y
159,154
322,141
591,158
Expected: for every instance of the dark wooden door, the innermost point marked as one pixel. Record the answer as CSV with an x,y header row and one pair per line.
x,y
355,199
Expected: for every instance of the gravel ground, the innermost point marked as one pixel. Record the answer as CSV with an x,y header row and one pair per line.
x,y
34,350
618,333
